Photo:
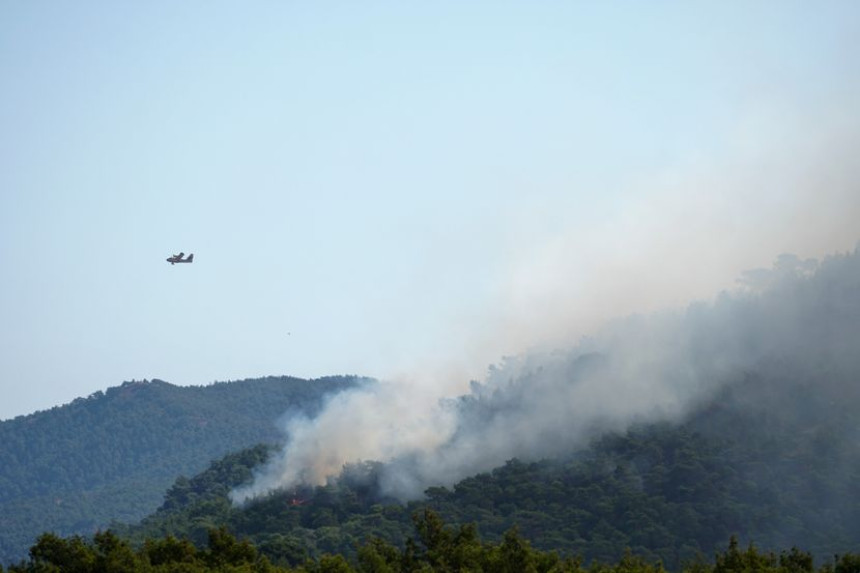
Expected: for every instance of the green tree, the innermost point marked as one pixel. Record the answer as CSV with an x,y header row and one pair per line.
x,y
515,555
750,561
435,537
225,549
795,561
333,564
169,550
53,553
113,555
848,563
379,556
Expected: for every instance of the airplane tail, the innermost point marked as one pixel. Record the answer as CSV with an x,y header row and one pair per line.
x,y
190,257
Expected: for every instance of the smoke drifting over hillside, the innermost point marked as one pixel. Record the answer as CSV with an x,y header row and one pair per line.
x,y
799,320
782,182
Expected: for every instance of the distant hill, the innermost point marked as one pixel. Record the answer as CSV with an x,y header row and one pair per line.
x,y
110,456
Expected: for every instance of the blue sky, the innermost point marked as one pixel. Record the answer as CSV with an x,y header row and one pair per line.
x,y
396,188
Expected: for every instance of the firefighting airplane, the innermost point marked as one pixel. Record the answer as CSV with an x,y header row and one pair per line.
x,y
178,258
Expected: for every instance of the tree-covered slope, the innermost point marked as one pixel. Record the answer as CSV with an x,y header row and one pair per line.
x,y
75,468
666,491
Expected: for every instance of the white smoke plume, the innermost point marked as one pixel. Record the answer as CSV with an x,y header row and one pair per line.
x,y
685,236
374,422
802,327
803,321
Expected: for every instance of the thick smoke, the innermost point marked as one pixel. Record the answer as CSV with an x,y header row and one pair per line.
x,y
682,233
800,317
805,322
381,421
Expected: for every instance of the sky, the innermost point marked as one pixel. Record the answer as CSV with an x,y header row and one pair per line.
x,y
404,190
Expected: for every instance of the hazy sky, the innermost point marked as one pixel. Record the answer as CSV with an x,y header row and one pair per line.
x,y
394,189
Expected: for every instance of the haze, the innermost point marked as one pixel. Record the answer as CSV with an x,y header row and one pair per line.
x,y
398,190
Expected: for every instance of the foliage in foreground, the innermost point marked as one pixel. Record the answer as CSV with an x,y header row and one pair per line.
x,y
436,548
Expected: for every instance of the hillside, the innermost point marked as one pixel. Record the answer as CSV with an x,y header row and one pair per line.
x,y
77,467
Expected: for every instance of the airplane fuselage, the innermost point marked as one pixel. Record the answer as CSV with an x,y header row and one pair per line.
x,y
178,259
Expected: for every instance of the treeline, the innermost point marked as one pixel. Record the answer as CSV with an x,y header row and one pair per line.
x,y
435,547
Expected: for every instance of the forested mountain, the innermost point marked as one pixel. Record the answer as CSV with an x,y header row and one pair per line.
x,y
77,467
